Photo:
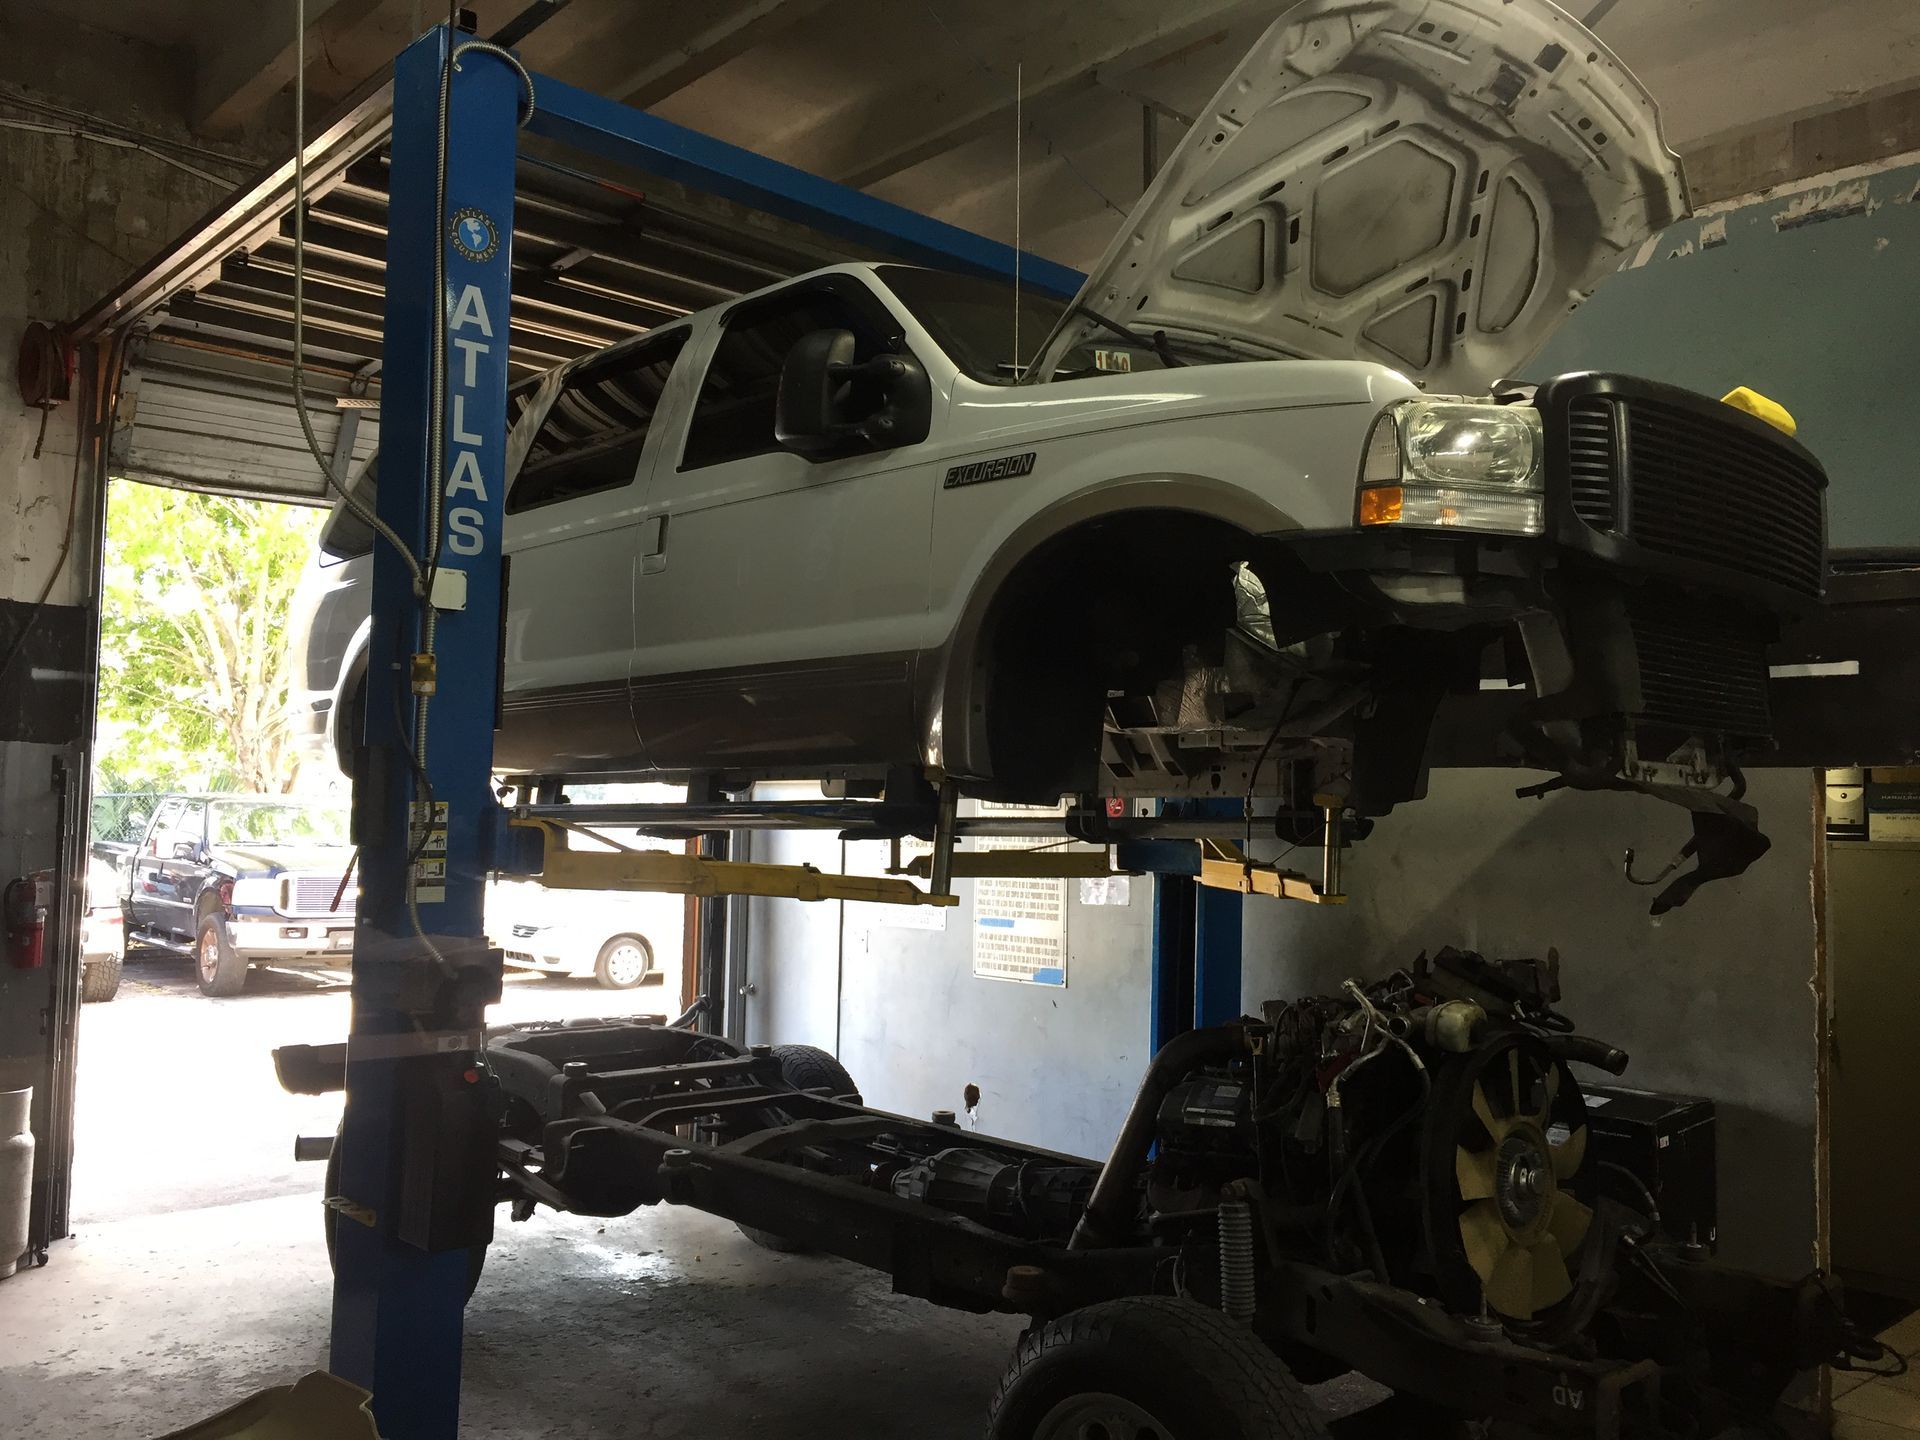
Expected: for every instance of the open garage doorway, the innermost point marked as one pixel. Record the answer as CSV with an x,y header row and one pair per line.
x,y
222,884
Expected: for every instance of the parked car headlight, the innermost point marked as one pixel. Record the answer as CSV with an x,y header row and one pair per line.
x,y
1455,464
260,890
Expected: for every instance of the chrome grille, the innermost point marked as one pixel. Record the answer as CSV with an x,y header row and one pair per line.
x,y
313,895
1593,464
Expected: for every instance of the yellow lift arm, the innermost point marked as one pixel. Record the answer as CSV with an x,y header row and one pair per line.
x,y
621,868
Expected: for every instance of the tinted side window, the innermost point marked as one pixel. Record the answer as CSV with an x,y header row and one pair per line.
x,y
592,437
164,825
733,418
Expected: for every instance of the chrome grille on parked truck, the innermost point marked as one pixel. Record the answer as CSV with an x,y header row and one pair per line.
x,y
313,895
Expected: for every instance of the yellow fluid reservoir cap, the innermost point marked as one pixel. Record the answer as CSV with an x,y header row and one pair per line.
x,y
1761,408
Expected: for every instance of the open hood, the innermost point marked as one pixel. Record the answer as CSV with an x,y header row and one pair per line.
x,y
1430,184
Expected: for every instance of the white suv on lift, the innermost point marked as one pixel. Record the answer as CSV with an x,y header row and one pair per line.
x,y
1239,518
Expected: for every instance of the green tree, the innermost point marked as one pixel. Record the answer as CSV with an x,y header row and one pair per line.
x,y
195,677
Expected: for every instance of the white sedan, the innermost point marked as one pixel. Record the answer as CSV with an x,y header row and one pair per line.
x,y
617,938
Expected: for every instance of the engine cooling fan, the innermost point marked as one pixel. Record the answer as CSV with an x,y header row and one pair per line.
x,y
1507,1144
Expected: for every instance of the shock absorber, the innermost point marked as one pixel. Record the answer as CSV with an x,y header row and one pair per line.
x,y
1235,1220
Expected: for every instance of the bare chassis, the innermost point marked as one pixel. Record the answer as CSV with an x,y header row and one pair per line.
x,y
600,1118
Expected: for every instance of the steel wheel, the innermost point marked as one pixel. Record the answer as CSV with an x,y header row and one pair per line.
x,y
624,962
1099,1417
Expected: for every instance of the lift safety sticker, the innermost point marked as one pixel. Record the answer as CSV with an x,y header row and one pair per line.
x,y
1019,923
429,850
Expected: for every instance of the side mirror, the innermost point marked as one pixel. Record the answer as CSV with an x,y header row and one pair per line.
x,y
185,850
829,404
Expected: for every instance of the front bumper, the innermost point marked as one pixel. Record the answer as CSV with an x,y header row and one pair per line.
x,y
1681,534
279,940
103,936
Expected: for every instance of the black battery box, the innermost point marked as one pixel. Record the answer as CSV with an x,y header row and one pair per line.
x,y
1667,1142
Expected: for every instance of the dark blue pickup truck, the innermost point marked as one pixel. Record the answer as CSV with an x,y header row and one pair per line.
x,y
242,880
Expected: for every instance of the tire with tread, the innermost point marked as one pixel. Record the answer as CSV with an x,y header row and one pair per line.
x,y
100,979
226,973
808,1067
805,1067
1199,1375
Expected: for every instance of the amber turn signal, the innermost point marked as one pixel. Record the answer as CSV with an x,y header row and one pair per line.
x,y
1381,504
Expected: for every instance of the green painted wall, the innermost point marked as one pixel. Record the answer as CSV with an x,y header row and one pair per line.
x,y
1812,297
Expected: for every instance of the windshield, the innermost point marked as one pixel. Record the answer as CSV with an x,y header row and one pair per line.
x,y
267,823
972,318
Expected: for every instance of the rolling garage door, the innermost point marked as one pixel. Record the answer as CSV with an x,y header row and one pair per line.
x,y
201,418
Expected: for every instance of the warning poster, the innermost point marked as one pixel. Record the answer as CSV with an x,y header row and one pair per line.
x,y
1019,925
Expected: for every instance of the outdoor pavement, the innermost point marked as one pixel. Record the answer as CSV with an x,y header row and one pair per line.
x,y
178,1104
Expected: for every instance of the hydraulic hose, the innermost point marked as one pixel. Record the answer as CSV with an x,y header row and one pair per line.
x,y
1111,1209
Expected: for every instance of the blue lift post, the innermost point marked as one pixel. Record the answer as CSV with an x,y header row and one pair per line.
x,y
1196,931
417,1156
415,1194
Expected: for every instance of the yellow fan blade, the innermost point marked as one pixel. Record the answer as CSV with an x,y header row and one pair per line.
x,y
1551,1283
1568,1222
1484,1237
1474,1172
1510,1288
1495,1128
1567,1157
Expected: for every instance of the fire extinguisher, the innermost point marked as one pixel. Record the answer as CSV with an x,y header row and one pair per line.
x,y
28,898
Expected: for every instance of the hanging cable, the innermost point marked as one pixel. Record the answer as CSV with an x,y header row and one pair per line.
x,y
324,461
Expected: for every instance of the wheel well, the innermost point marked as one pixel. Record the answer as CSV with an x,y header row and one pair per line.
x,y
349,728
1111,604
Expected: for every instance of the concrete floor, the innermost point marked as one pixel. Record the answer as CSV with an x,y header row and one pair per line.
x,y
197,1276
667,1323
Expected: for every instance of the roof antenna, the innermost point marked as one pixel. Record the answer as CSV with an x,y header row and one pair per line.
x,y
1019,134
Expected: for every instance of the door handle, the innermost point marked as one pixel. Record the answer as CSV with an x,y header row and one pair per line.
x,y
653,545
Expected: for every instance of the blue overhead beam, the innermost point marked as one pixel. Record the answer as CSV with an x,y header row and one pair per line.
x,y
619,133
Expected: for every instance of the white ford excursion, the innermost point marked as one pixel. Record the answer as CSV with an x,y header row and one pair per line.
x,y
1256,501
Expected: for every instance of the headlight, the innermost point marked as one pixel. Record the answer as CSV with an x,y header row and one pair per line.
x,y
1455,464
260,890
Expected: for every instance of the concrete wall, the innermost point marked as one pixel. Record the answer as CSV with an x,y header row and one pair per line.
x,y
1800,294
1712,999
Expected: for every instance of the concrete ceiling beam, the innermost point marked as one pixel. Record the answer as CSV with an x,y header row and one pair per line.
x,y
883,136
237,72
728,37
